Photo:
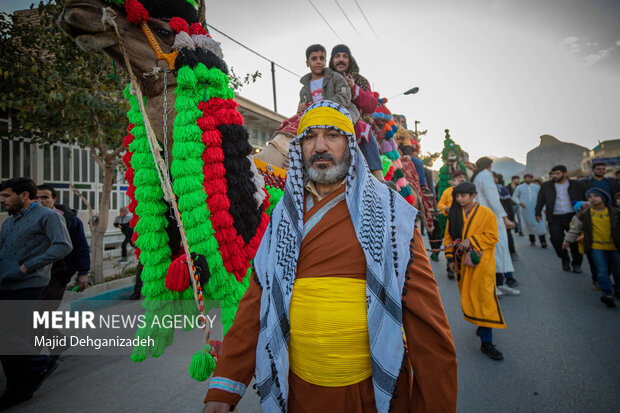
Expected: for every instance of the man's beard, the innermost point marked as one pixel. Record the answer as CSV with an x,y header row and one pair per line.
x,y
324,175
12,210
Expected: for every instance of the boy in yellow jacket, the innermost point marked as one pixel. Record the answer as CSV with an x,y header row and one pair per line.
x,y
473,228
600,225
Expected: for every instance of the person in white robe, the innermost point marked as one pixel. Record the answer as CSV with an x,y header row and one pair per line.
x,y
488,196
525,194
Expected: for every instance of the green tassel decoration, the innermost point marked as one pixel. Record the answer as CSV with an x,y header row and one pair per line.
x,y
275,194
202,364
385,164
475,259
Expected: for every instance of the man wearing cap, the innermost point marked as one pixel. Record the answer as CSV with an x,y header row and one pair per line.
x,y
342,313
343,62
488,196
473,228
600,225
525,195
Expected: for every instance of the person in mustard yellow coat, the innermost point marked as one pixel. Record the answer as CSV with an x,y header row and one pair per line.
x,y
473,261
445,202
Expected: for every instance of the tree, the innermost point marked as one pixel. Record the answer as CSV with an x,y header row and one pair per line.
x,y
60,94
429,158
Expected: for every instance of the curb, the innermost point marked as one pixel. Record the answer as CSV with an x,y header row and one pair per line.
x,y
103,300
101,295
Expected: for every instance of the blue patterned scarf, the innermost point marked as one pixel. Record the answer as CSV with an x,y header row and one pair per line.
x,y
384,224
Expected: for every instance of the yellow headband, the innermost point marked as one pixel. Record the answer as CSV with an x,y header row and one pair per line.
x,y
325,116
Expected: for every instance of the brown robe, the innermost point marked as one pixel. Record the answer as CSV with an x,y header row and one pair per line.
x,y
331,249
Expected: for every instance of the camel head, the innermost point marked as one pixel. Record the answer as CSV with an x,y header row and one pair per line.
x,y
157,35
88,22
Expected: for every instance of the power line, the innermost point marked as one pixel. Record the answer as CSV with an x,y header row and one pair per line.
x,y
328,25
255,52
367,21
349,20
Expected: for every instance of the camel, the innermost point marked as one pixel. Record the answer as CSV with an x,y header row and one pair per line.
x,y
276,151
218,199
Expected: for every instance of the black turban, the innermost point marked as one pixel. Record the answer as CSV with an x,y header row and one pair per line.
x,y
464,188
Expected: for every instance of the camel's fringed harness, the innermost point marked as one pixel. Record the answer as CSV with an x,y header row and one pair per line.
x,y
161,166
215,192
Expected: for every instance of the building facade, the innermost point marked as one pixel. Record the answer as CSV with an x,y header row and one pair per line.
x,y
260,122
607,152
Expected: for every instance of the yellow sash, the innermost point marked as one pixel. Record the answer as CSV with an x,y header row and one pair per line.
x,y
329,343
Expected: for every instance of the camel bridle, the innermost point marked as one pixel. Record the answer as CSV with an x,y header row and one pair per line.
x,y
168,57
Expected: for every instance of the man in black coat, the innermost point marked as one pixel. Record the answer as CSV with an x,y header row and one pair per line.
x,y
78,259
558,196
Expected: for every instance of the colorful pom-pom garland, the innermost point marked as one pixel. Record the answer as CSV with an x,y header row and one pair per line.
x,y
210,169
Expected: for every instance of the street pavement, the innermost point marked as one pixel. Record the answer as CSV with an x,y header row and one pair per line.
x,y
560,349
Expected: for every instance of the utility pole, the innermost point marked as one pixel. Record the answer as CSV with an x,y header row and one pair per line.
x,y
273,83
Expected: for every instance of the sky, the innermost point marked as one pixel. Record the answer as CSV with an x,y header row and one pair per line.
x,y
497,73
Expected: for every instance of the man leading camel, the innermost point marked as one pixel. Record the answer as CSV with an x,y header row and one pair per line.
x,y
383,328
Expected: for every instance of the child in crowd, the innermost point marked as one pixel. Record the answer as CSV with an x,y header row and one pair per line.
x,y
600,226
474,228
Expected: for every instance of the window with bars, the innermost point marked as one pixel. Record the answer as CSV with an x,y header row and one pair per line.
x,y
61,165
15,159
58,165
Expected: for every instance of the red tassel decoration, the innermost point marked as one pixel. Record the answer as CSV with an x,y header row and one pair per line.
x,y
177,277
133,221
216,186
214,170
213,155
196,28
178,25
129,175
136,13
129,137
206,123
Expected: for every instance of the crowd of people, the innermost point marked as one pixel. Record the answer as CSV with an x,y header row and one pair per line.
x,y
42,246
581,217
344,249
299,275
